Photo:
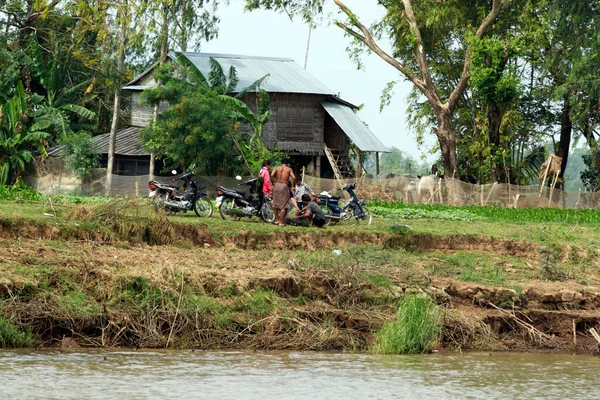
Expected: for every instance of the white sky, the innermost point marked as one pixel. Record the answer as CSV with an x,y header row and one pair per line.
x,y
270,34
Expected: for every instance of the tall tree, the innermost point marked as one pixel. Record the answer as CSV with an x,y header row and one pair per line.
x,y
417,32
122,21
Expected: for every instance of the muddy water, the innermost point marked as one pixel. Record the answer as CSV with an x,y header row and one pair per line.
x,y
237,375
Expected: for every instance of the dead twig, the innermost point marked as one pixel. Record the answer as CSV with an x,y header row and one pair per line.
x,y
535,334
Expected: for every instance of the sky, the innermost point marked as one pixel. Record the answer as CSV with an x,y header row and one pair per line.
x,y
270,34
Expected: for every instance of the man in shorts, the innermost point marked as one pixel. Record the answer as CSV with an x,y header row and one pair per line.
x,y
311,214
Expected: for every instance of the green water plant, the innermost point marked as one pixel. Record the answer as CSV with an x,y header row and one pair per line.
x,y
416,328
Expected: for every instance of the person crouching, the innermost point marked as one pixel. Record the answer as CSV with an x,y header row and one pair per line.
x,y
311,214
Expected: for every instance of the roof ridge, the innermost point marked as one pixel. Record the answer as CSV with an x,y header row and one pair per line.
x,y
235,56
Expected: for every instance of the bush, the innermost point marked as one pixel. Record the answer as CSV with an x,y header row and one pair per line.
x,y
11,336
18,191
416,328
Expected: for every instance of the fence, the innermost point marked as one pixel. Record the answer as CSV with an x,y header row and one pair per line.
x,y
403,188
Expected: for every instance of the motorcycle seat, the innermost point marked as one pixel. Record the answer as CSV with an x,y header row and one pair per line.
x,y
167,184
330,197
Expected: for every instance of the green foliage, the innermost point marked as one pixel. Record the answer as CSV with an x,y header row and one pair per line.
x,y
424,212
80,155
479,213
416,329
589,176
18,138
19,191
491,78
60,101
193,130
249,144
11,336
260,303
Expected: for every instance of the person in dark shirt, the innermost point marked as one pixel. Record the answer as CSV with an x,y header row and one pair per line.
x,y
311,214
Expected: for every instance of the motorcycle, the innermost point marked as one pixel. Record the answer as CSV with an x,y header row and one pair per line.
x,y
334,212
236,203
165,200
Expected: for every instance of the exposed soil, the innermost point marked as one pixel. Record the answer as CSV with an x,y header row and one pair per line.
x,y
317,308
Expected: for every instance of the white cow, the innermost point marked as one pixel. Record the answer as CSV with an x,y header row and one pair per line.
x,y
429,184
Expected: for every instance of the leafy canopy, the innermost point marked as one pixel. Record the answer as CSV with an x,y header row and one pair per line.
x,y
193,129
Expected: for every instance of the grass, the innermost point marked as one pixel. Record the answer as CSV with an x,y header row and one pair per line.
x,y
259,303
415,329
220,289
11,336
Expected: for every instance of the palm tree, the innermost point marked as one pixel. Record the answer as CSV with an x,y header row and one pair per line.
x,y
17,139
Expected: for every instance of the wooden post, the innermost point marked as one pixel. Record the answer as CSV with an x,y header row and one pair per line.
x,y
574,337
552,188
318,166
377,163
545,176
151,169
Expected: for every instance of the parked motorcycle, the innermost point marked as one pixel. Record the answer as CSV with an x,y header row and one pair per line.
x,y
236,203
334,212
165,200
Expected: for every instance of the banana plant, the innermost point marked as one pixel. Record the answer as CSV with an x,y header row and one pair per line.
x,y
56,108
17,138
244,114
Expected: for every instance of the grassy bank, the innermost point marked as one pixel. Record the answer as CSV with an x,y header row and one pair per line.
x,y
111,273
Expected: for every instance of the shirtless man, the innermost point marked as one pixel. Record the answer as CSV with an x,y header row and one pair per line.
x,y
281,192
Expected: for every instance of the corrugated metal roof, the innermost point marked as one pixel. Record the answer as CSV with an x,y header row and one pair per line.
x,y
285,76
353,127
128,143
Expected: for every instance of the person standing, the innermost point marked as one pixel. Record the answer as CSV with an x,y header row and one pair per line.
x,y
265,174
281,192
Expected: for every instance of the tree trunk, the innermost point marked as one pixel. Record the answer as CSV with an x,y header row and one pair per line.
x,y
566,129
164,35
447,140
122,16
494,116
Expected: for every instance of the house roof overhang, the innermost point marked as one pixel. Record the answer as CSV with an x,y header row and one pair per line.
x,y
353,127
128,143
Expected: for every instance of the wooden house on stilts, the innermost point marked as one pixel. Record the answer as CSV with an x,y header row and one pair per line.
x,y
314,127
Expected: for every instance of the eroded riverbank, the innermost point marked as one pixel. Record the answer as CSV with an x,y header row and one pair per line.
x,y
118,286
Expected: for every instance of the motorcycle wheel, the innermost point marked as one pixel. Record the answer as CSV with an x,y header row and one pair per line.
x,y
224,209
268,215
203,207
159,204
366,218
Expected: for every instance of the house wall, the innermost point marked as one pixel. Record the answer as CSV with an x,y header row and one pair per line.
x,y
142,114
297,125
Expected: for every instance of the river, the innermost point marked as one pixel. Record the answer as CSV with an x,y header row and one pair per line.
x,y
101,374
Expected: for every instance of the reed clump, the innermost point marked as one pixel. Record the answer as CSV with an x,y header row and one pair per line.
x,y
416,328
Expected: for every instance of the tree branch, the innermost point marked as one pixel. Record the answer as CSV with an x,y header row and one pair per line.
x,y
497,7
419,53
368,40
